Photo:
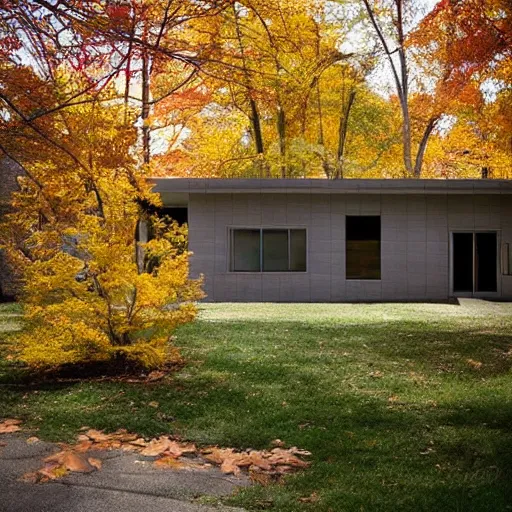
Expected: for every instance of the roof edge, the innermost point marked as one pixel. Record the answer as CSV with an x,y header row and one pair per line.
x,y
318,186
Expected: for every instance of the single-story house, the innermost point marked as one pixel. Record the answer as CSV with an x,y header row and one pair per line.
x,y
346,240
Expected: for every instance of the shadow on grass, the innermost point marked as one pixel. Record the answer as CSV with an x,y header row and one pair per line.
x,y
394,414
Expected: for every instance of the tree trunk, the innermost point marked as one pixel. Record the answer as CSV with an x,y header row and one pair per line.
x,y
342,135
146,133
281,130
256,126
423,146
406,138
400,76
254,117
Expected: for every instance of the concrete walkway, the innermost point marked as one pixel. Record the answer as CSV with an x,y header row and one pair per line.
x,y
126,483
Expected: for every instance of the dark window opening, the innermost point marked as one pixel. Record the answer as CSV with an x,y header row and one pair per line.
x,y
268,250
363,247
168,215
179,214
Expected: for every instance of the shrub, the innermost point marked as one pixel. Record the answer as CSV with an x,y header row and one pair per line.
x,y
85,298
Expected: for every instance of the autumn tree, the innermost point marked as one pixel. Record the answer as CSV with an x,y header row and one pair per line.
x,y
471,42
71,235
267,106
390,21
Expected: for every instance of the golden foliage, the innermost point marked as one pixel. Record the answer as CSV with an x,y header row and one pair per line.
x,y
71,237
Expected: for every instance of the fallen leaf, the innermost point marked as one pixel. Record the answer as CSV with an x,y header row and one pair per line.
x,y
155,375
124,436
77,463
229,466
312,498
97,436
217,455
83,446
56,457
283,470
258,460
33,440
139,442
169,463
10,426
156,447
277,443
96,463
285,457
154,404
129,448
51,472
298,451
177,450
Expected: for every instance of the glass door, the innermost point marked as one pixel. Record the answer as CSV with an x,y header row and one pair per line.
x,y
475,262
486,262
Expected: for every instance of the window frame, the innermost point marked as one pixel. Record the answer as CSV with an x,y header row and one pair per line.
x,y
506,259
356,279
231,248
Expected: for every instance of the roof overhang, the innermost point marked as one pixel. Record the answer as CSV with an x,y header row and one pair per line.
x,y
176,191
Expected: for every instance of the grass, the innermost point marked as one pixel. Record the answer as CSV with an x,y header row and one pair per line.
x,y
404,407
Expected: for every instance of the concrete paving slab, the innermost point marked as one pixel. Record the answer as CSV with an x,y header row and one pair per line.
x,y
127,482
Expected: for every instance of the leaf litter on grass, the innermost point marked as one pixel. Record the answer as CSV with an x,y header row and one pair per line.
x,y
262,466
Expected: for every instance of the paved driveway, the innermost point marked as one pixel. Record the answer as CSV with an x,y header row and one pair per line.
x,y
126,483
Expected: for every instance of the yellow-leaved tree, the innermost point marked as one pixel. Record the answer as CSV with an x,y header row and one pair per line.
x,y
71,236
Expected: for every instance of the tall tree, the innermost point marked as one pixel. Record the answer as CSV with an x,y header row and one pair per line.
x,y
390,21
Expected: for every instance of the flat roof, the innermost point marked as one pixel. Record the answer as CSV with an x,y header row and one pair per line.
x,y
175,189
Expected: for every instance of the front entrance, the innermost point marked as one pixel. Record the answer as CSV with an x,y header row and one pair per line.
x,y
475,262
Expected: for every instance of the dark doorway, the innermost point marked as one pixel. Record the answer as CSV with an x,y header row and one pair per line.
x,y
486,262
475,262
463,262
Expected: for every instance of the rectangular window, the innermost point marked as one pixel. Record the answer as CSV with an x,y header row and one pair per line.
x,y
246,250
268,250
363,247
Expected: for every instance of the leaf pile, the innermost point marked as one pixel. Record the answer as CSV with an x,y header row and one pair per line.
x,y
276,462
262,466
10,426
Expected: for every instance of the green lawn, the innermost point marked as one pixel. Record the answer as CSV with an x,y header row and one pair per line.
x,y
404,407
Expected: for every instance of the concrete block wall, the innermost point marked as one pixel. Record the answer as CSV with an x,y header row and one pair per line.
x,y
415,243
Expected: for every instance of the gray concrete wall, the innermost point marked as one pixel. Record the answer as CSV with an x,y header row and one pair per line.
x,y
415,243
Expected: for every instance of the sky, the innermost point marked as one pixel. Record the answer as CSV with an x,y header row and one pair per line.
x,y
381,79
